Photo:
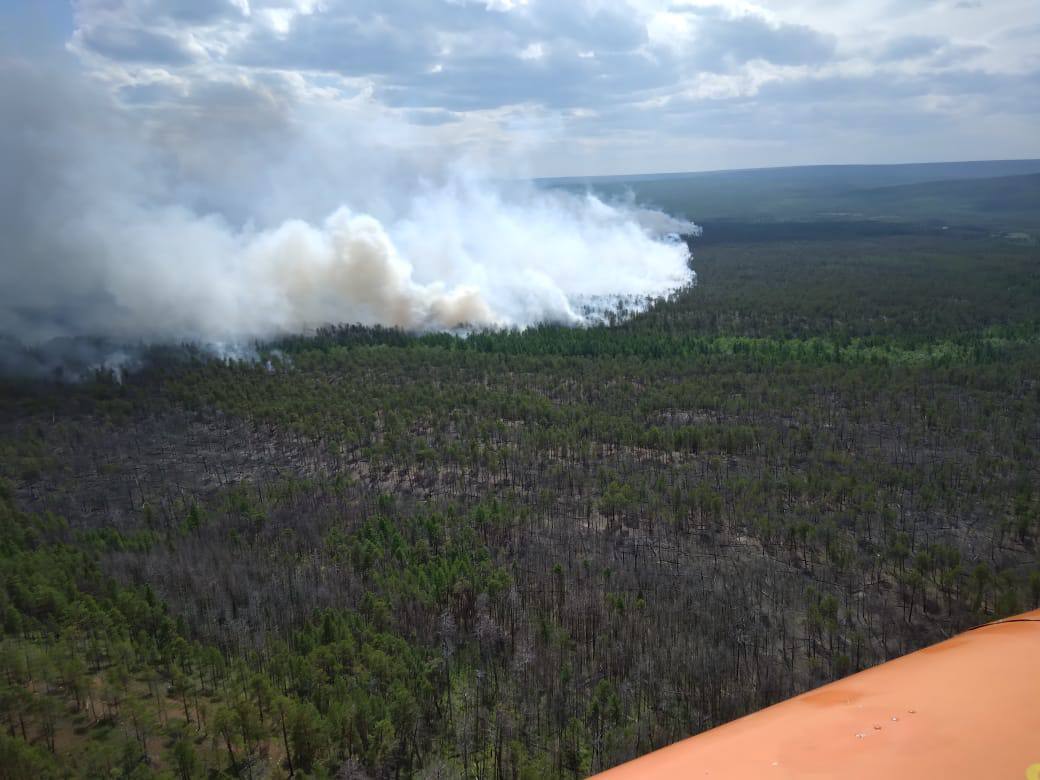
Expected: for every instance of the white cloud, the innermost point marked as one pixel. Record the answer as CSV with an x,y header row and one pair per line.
x,y
533,51
584,67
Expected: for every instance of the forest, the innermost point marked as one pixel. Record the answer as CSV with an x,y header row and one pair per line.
x,y
364,553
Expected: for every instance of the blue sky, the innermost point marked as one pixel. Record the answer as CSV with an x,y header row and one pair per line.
x,y
576,87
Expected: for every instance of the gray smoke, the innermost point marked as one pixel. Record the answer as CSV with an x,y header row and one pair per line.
x,y
133,225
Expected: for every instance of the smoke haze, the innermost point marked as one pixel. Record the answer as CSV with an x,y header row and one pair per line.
x,y
131,224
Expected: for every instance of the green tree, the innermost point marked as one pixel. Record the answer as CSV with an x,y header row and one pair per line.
x,y
306,735
185,760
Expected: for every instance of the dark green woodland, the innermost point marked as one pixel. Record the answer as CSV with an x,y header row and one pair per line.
x,y
536,554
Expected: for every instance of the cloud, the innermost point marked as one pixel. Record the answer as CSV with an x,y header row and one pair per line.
x,y
136,45
589,66
723,41
431,117
467,56
351,45
460,56
909,47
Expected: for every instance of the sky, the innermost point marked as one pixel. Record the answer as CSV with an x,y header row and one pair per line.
x,y
565,87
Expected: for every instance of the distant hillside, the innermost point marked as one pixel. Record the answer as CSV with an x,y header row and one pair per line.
x,y
1001,192
1004,195
829,176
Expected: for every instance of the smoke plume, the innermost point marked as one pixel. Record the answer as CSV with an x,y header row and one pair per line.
x,y
130,224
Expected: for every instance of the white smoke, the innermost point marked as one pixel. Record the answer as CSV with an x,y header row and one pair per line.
x,y
107,235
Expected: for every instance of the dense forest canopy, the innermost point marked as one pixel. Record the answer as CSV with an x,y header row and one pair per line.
x,y
523,554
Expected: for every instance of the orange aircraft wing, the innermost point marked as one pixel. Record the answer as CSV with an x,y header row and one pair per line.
x,y
968,707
